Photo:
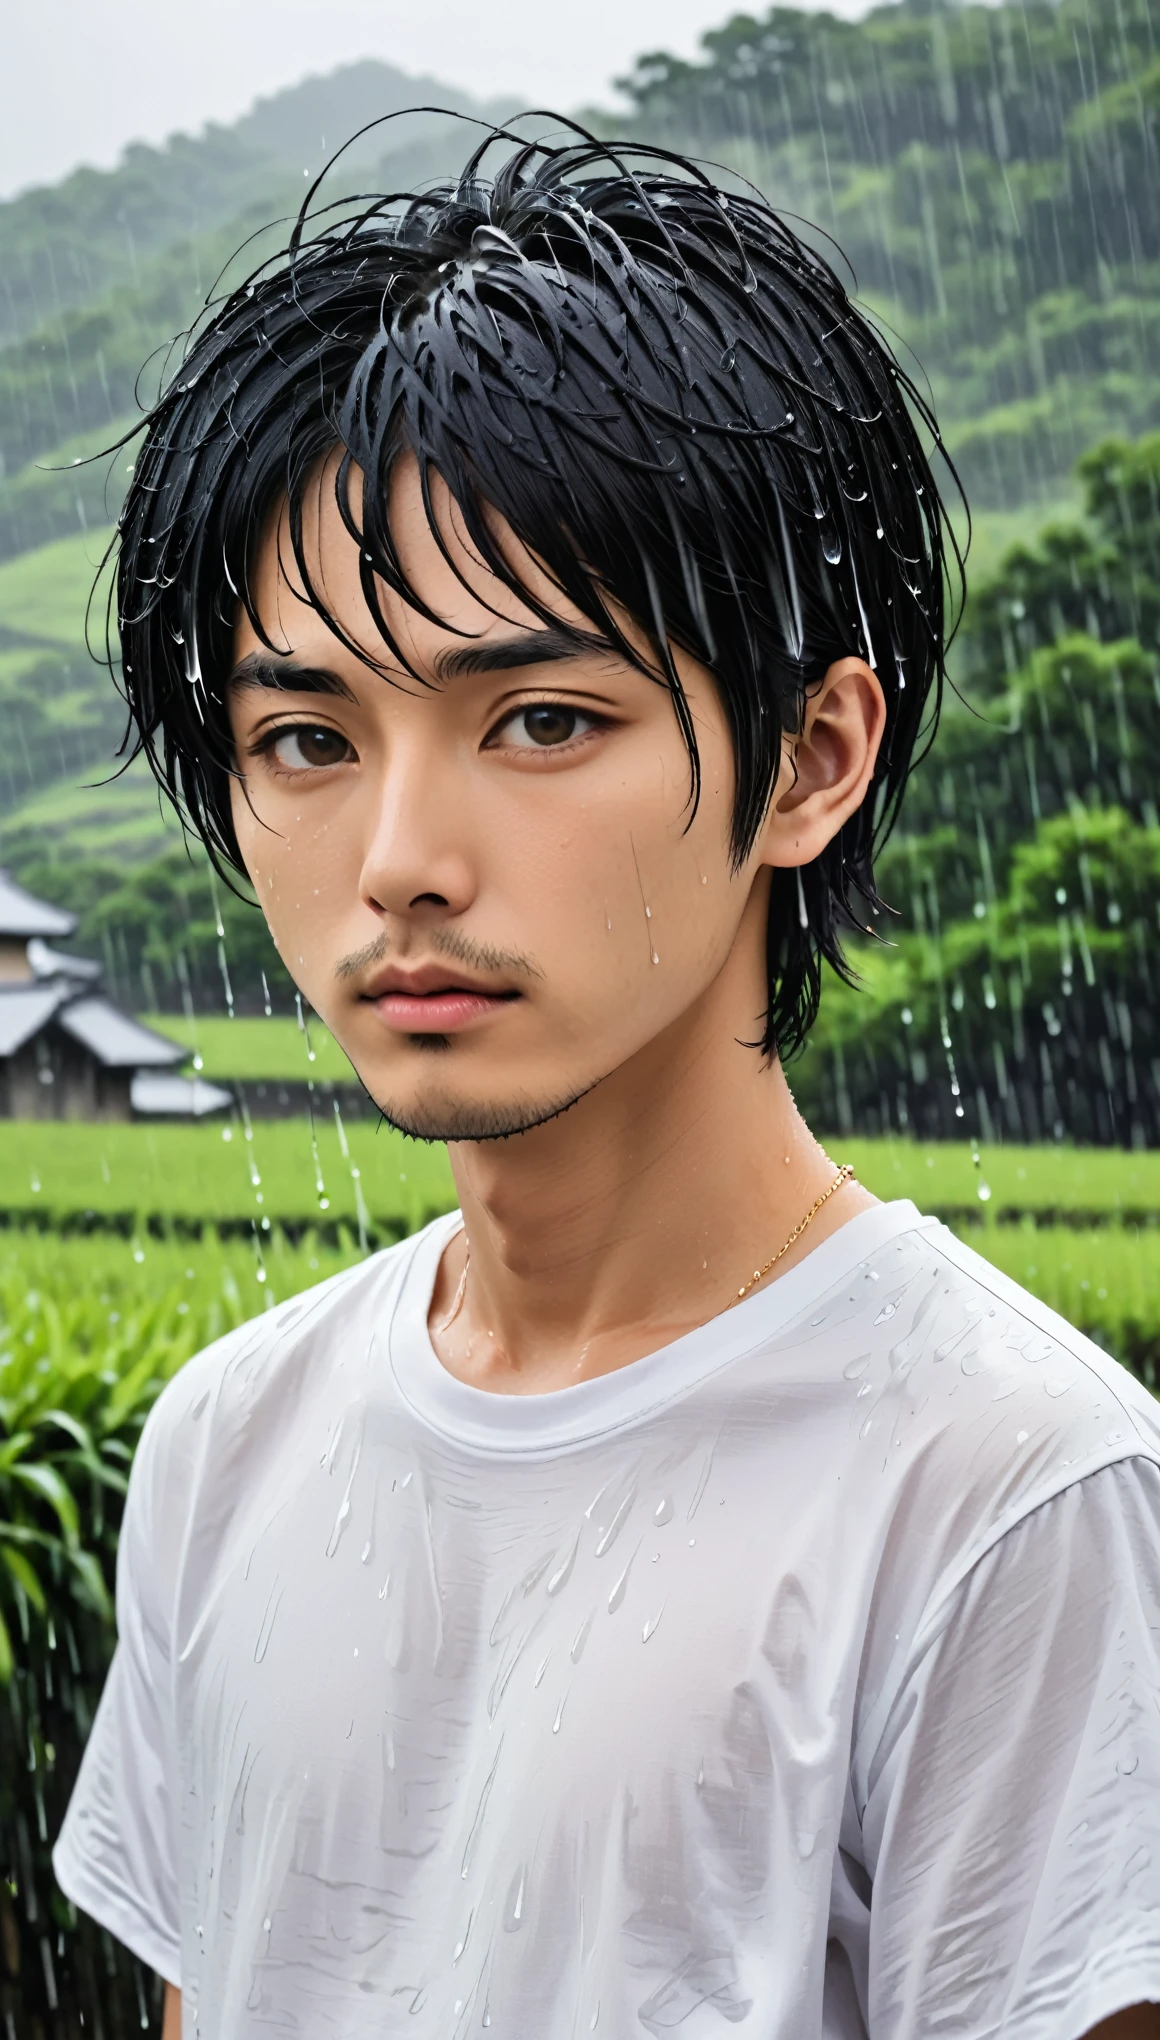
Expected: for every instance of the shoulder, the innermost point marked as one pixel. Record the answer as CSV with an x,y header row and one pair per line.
x,y
233,1403
978,1404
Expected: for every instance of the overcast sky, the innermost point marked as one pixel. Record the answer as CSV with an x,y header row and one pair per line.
x,y
80,78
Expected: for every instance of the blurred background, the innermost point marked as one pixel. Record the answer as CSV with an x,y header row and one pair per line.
x,y
180,1143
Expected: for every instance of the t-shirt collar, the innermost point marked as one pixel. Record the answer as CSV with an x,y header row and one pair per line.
x,y
488,1422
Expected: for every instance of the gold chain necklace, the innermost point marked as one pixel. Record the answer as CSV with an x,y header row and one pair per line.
x,y
844,1175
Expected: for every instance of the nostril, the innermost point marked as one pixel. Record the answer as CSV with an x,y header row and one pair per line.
x,y
428,899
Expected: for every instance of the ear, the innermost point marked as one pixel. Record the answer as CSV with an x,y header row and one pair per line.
x,y
826,771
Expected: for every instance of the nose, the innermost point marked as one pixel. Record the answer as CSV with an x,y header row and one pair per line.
x,y
417,860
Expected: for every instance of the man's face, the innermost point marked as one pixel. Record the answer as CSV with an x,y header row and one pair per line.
x,y
487,885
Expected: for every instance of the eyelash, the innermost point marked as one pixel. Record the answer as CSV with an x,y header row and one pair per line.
x,y
265,745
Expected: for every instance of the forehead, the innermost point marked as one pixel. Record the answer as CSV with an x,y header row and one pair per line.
x,y
460,593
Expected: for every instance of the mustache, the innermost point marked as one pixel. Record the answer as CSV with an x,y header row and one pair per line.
x,y
447,943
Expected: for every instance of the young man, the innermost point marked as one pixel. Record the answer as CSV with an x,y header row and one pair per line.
x,y
677,1593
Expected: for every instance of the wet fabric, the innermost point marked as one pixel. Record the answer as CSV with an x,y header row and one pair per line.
x,y
801,1679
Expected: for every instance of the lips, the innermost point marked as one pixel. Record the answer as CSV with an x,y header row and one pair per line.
x,y
431,1001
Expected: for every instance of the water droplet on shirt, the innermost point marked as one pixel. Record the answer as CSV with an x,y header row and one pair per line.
x,y
593,2021
867,1427
385,1589
366,1551
513,1917
608,1537
620,1589
1113,1437
854,1368
1021,1437
541,1668
266,1925
406,1480
1127,1765
887,1311
650,1626
581,1638
663,1513
560,1577
559,1717
390,1752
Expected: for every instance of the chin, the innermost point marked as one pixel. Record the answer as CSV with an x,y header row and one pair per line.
x,y
440,1115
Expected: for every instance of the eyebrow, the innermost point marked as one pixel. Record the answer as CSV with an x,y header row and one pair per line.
x,y
549,647
263,669
527,648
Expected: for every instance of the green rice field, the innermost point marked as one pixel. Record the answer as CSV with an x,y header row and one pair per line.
x,y
62,1173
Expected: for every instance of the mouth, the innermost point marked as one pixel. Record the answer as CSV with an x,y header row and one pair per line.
x,y
432,1000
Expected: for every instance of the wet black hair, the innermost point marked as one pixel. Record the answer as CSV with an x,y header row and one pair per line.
x,y
663,389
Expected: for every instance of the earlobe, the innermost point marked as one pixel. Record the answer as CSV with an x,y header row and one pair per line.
x,y
827,770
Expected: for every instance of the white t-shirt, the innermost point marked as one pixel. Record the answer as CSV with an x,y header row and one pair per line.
x,y
801,1679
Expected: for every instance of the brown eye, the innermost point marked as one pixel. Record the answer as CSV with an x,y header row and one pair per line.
x,y
545,723
308,748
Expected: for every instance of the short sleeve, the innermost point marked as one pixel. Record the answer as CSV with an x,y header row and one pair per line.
x,y
115,1857
1010,1824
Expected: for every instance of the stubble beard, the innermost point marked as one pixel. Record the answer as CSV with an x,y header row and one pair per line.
x,y
440,1116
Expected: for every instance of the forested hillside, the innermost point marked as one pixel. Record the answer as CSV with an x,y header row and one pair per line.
x,y
991,175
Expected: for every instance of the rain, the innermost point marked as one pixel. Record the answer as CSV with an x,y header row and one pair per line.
x,y
989,175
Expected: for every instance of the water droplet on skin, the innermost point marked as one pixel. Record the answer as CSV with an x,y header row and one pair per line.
x,y
655,957
663,1513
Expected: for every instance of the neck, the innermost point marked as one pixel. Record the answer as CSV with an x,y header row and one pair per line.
x,y
636,1215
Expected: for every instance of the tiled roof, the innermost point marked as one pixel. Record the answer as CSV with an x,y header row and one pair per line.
x,y
115,1040
25,1009
170,1097
22,915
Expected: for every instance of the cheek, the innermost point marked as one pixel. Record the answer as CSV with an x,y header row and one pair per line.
x,y
295,863
633,907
